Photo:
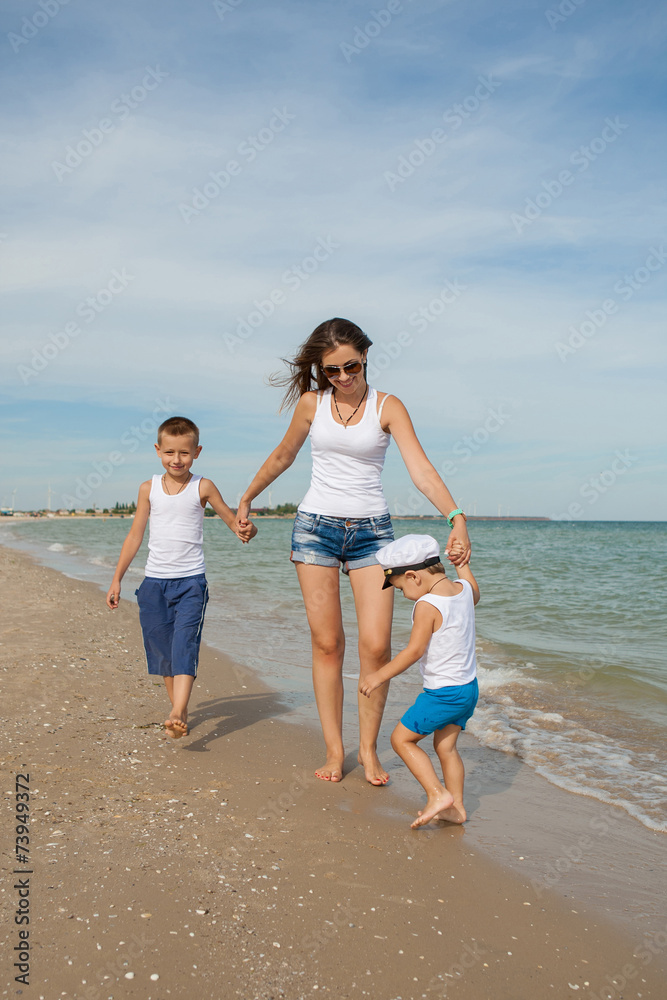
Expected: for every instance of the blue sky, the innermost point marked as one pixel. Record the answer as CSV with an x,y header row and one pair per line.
x,y
484,190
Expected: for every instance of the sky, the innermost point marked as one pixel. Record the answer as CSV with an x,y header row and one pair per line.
x,y
190,189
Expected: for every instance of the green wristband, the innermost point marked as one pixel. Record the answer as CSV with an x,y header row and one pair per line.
x,y
452,514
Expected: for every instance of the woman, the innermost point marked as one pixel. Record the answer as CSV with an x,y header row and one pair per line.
x,y
344,518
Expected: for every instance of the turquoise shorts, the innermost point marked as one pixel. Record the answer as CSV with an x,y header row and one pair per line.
x,y
436,708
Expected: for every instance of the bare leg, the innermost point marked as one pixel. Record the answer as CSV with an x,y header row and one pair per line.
x,y
169,684
321,596
181,688
374,607
404,742
444,744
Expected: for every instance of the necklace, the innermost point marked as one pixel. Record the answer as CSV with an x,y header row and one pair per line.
x,y
183,485
433,587
346,422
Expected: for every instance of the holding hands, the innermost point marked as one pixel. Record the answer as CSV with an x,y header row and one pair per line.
x,y
243,526
369,683
245,530
458,544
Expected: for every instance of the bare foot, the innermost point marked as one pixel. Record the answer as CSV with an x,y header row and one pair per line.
x,y
435,807
332,770
373,769
455,814
176,727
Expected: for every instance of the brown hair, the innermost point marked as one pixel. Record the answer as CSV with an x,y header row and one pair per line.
x,y
326,337
178,426
436,568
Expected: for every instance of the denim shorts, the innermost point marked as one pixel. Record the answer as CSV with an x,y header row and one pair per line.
x,y
171,614
436,708
319,540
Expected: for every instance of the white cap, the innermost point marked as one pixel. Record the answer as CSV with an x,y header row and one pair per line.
x,y
408,552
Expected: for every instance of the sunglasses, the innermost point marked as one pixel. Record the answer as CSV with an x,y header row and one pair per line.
x,y
337,371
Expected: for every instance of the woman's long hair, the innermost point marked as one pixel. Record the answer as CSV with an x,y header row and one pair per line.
x,y
304,370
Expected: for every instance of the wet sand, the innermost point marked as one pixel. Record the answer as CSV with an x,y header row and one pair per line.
x,y
221,865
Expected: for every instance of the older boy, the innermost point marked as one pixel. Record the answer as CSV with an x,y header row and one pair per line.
x,y
443,640
173,596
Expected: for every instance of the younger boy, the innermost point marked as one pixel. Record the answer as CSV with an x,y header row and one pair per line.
x,y
173,596
443,640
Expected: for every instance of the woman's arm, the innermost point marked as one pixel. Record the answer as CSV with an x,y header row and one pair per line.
x,y
396,420
132,543
281,457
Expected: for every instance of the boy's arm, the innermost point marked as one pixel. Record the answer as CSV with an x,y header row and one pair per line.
x,y
465,573
132,543
422,630
209,493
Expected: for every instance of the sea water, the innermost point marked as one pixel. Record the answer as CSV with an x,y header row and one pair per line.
x,y
571,636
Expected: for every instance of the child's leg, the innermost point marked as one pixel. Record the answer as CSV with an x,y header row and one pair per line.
x,y
189,598
444,744
404,742
181,689
169,684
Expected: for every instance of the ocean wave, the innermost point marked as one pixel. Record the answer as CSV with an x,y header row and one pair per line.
x,y
574,757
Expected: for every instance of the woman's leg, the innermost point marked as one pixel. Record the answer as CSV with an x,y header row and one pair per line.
x,y
374,607
321,596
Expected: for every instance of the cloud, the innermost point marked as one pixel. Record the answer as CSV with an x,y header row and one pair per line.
x,y
322,175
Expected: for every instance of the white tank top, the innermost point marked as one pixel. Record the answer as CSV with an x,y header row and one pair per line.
x,y
450,655
347,462
176,532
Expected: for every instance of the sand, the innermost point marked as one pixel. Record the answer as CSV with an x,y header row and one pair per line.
x,y
219,864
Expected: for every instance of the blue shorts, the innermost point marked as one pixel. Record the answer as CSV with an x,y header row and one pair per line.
x,y
171,613
319,540
436,708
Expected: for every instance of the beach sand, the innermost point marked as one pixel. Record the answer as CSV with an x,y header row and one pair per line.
x,y
221,865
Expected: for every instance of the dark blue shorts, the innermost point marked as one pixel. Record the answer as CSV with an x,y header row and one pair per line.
x,y
319,540
436,708
171,613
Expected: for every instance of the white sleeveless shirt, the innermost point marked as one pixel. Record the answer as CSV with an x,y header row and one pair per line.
x,y
347,462
176,532
450,655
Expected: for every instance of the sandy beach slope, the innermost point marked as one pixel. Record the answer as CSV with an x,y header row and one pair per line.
x,y
219,864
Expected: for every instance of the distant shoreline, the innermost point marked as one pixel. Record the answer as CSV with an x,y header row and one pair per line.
x,y
29,516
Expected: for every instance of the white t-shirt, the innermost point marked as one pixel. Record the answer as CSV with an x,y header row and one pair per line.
x,y
450,655
347,462
176,532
